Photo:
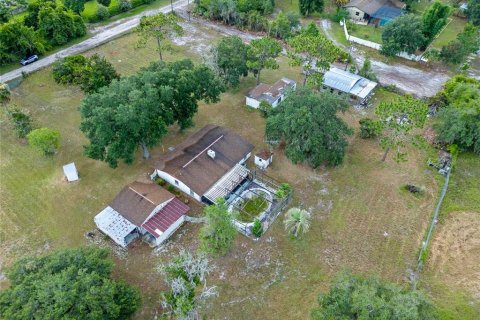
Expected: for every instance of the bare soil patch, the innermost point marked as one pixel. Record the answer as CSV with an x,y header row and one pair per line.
x,y
455,252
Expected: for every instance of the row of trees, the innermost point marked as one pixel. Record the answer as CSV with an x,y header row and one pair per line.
x,y
410,32
253,15
47,24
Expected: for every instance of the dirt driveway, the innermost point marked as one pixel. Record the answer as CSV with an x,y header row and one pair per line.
x,y
418,82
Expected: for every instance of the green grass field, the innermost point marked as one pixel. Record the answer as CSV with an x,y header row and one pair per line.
x,y
276,277
368,32
450,33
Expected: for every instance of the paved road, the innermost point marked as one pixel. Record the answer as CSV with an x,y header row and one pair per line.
x,y
101,35
421,83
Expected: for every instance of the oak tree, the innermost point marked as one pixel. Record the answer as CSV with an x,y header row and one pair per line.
x,y
67,284
137,110
308,124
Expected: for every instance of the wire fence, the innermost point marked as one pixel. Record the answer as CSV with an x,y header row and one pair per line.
x,y
423,254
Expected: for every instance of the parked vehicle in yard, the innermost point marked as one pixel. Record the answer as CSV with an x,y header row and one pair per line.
x,y
29,60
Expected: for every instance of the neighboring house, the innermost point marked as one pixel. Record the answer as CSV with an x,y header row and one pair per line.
x,y
340,81
273,94
142,209
208,165
378,12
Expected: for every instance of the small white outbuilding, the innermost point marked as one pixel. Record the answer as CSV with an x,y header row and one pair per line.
x,y
263,159
70,172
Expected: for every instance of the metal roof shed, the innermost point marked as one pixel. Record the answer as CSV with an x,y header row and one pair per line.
x,y
70,172
114,225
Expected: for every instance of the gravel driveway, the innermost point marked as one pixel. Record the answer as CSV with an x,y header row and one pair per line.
x,y
418,82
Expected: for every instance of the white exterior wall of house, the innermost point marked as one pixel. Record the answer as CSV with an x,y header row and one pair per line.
x,y
176,183
356,14
252,103
262,163
182,186
170,231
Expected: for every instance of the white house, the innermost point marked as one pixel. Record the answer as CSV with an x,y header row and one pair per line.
x,y
263,159
341,81
142,209
208,165
378,12
273,94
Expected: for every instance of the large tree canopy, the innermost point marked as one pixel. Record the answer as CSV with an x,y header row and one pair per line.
x,y
307,7
68,284
137,110
261,55
230,59
434,18
308,123
460,117
18,40
404,34
473,12
353,297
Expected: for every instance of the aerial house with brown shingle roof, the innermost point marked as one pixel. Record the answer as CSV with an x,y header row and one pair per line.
x,y
142,209
273,94
208,165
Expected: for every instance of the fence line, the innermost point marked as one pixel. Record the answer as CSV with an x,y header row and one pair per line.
x,y
375,45
425,243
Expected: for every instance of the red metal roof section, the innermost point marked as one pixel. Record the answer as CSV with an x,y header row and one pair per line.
x,y
167,216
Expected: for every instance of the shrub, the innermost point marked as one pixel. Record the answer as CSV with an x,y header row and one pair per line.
x,y
124,5
340,14
105,3
22,122
264,108
370,128
257,228
4,93
102,13
45,139
148,1
171,188
283,191
136,3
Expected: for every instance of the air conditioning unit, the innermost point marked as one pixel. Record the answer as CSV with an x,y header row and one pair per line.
x,y
211,153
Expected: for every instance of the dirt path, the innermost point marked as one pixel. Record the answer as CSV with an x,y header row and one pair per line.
x,y
101,35
415,81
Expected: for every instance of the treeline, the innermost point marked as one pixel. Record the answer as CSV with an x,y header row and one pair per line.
x,y
253,15
411,32
107,8
47,24
458,113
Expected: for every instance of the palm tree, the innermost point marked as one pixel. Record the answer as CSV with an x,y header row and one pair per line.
x,y
297,221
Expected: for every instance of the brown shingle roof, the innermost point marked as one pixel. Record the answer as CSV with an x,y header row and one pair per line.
x,y
190,163
270,92
372,6
137,200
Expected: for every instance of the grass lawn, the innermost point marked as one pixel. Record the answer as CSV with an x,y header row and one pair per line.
x,y
287,6
276,277
252,208
368,32
450,33
451,273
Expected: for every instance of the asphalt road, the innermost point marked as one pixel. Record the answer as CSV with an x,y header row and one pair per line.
x,y
100,36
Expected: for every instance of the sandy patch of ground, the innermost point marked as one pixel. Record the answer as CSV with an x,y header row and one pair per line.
x,y
455,252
